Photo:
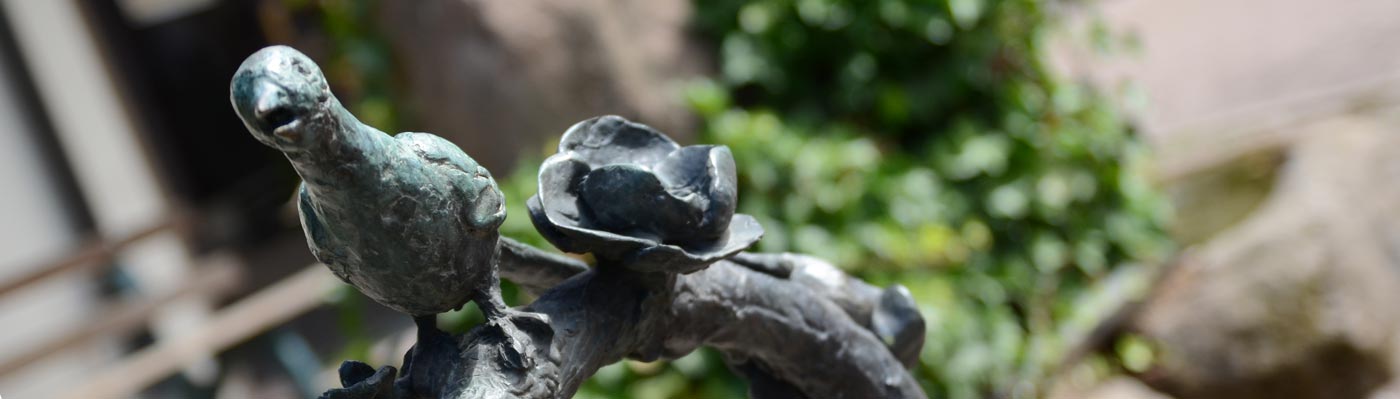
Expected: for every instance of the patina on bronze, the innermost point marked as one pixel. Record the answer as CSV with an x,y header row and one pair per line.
x,y
411,221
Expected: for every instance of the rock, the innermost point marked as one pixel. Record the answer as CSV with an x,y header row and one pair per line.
x,y
512,74
1120,387
1298,300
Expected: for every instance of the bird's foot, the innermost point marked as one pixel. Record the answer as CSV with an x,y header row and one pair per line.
x,y
523,334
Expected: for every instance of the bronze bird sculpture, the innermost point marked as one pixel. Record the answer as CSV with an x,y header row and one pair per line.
x,y
410,220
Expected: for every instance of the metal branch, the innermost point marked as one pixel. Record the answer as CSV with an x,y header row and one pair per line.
x,y
779,330
534,269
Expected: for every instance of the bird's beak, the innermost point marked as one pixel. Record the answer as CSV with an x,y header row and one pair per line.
x,y
274,111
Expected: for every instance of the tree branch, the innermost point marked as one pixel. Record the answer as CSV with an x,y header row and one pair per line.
x,y
781,333
534,269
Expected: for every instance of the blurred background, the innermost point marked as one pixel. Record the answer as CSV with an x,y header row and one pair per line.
x,y
1110,199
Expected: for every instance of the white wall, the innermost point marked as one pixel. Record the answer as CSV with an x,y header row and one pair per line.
x,y
35,228
123,190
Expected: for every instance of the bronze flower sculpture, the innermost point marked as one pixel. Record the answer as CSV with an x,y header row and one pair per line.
x,y
411,221
632,196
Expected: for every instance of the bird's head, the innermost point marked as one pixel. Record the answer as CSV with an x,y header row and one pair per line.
x,y
282,98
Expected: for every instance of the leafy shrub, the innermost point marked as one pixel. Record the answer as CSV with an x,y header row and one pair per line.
x,y
927,143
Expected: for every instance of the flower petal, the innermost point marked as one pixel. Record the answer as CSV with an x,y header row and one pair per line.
x,y
558,189
549,230
560,216
573,238
743,232
703,177
611,139
630,200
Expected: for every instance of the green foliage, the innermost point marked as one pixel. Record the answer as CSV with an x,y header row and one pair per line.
x,y
926,143
359,64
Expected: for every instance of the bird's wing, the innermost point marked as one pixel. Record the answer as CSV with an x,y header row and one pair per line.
x,y
318,239
486,208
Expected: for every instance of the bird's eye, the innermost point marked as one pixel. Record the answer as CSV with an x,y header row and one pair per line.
x,y
278,117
